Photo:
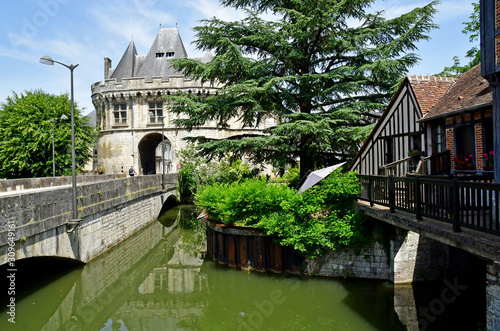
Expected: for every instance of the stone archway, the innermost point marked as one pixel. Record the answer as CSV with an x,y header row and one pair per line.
x,y
150,153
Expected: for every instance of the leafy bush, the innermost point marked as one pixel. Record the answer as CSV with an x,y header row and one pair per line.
x,y
196,172
321,218
292,176
243,202
212,199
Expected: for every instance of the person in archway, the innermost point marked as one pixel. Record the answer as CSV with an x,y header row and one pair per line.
x,y
131,172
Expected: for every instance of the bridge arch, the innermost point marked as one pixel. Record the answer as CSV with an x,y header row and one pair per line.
x,y
169,202
150,154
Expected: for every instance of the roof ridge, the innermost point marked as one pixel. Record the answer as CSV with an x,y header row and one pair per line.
x,y
427,78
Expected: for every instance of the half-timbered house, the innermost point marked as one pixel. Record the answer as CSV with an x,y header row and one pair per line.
x,y
461,124
398,136
433,125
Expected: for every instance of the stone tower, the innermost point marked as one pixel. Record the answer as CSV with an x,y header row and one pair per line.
x,y
132,112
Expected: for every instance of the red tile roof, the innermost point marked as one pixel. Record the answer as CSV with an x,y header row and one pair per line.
x,y
470,90
429,89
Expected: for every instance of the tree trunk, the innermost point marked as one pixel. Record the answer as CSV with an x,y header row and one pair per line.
x,y
306,161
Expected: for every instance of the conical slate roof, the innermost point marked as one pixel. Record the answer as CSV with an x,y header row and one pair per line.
x,y
127,64
167,45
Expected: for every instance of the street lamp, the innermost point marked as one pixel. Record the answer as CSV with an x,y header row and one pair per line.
x,y
63,117
48,60
162,148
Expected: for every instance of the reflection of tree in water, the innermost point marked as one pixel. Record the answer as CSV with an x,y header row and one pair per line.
x,y
193,241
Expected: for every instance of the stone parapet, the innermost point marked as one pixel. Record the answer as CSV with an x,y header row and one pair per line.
x,y
128,87
9,185
37,211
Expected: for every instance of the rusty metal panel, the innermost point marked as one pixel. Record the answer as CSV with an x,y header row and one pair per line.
x,y
231,251
243,251
247,248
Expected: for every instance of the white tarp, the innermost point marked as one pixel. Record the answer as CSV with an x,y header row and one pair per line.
x,y
318,175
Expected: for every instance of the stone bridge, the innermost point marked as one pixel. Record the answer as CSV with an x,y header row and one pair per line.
x,y
36,214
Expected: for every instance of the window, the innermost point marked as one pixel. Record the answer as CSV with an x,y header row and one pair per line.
x,y
169,54
464,141
120,114
414,142
488,136
388,158
438,139
155,112
160,54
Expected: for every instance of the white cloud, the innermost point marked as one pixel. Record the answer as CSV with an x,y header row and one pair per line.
x,y
126,21
211,8
446,9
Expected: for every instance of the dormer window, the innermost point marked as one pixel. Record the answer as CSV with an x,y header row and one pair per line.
x,y
167,54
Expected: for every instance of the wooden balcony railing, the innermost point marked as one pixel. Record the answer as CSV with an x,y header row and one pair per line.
x,y
440,163
471,202
396,168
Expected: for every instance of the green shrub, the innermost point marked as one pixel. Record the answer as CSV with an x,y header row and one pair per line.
x,y
196,172
292,176
321,218
212,199
244,203
253,199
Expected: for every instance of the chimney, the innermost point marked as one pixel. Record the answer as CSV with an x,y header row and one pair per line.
x,y
107,67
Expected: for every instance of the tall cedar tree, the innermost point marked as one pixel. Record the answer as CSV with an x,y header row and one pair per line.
x,y
320,67
26,135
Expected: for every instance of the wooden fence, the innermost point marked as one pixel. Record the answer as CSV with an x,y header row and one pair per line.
x,y
468,201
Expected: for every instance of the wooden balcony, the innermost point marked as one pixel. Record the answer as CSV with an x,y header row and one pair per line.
x,y
463,201
437,164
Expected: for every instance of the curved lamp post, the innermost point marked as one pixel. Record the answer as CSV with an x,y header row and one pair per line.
x,y
63,117
48,60
162,148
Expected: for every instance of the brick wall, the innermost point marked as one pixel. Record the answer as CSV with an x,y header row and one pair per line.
x,y
450,145
478,136
478,133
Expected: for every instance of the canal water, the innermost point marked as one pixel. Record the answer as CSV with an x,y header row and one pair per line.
x,y
159,279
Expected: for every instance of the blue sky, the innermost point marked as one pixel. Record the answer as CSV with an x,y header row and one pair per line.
x,y
84,32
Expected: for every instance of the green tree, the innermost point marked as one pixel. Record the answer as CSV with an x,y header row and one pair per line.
x,y
196,172
320,67
471,28
26,135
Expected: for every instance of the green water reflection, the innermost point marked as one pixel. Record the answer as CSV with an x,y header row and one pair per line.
x,y
159,280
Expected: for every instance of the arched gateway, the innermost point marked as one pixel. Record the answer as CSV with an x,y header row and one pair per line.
x,y
150,154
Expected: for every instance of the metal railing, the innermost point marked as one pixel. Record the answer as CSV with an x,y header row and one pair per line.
x,y
471,201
